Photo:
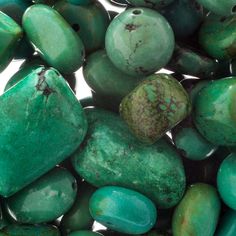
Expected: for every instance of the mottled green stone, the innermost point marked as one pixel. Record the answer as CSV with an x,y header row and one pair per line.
x,y
84,233
217,37
214,112
36,113
139,41
111,155
10,35
123,210
30,230
53,37
90,22
78,217
44,200
200,204
154,107
156,4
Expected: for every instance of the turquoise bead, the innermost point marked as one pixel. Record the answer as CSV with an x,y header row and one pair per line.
x,y
226,178
139,41
214,112
44,200
90,22
84,233
123,210
156,4
45,105
53,37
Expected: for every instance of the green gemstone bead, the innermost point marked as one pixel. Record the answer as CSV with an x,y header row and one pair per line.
x,y
45,105
30,230
200,204
214,112
226,178
55,40
217,38
44,200
157,105
123,210
156,4
78,217
139,41
84,233
10,35
111,155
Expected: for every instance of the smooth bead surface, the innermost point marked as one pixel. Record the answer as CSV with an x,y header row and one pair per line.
x,y
45,105
44,200
111,155
154,107
55,40
123,210
200,204
137,32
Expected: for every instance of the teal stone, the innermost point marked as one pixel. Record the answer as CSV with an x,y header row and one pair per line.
x,y
44,200
214,112
111,155
79,217
216,36
226,181
199,205
227,225
156,4
154,107
31,230
139,41
84,233
45,105
10,35
55,40
123,210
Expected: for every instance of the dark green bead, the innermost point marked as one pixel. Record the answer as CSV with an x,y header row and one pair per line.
x,y
200,204
45,105
154,107
111,155
84,233
90,22
55,40
156,4
123,210
139,41
44,200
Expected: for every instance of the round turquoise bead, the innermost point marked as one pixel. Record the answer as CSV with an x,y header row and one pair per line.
x,y
123,210
84,233
226,179
139,41
156,4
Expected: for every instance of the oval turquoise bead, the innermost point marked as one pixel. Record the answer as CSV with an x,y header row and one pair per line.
x,y
200,204
226,181
44,200
84,233
123,210
154,107
53,37
137,32
111,155
155,4
214,112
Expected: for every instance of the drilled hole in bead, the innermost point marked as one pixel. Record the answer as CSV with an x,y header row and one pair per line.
x,y
137,12
222,19
76,27
234,9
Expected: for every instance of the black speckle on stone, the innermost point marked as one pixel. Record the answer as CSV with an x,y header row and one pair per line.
x,y
131,27
76,27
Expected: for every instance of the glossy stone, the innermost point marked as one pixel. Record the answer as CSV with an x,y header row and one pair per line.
x,y
200,204
44,200
214,112
42,112
78,217
10,35
226,181
130,36
123,210
154,107
111,155
156,4
90,22
84,233
217,38
30,230
51,35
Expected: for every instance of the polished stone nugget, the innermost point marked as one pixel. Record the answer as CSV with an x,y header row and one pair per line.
x,y
42,123
53,37
154,107
111,155
199,205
